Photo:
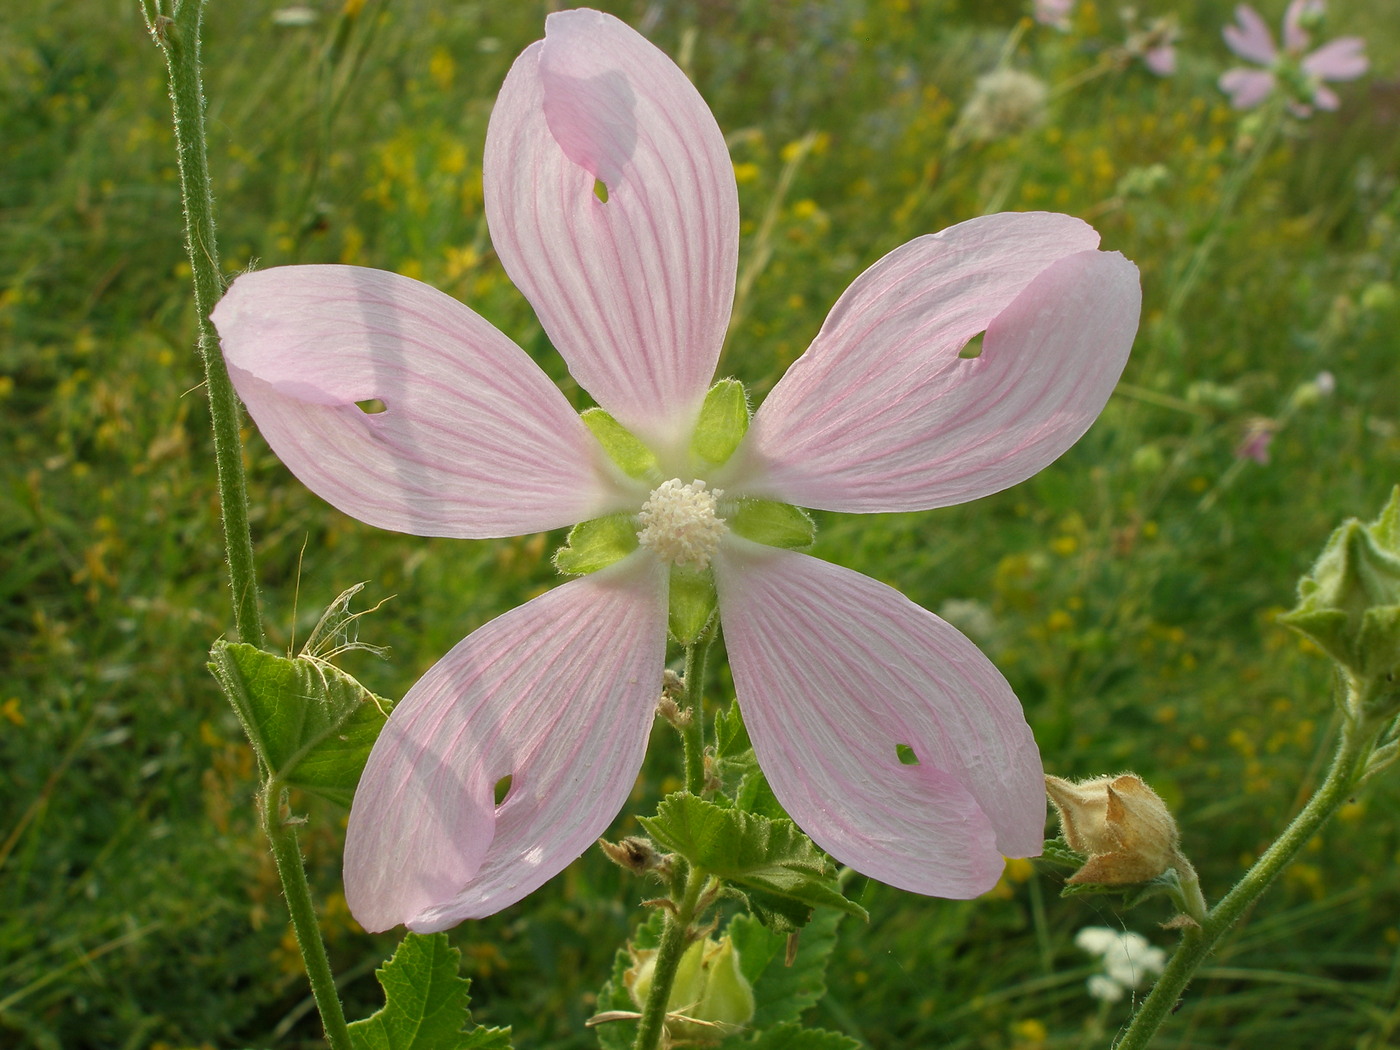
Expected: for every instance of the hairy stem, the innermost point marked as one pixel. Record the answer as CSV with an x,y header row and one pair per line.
x,y
287,852
675,938
1347,766
178,38
693,733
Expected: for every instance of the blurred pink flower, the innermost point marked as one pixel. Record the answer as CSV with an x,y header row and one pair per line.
x,y
1303,75
1054,13
834,671
1258,436
1154,43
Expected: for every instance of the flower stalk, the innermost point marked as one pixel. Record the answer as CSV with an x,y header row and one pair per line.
x,y
292,871
177,35
675,938
1349,765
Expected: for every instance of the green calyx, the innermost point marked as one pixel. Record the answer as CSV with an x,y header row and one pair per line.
x,y
1349,604
623,447
596,544
723,422
772,523
692,604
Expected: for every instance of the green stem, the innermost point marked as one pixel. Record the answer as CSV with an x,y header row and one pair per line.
x,y
693,731
287,853
675,938
1197,942
178,37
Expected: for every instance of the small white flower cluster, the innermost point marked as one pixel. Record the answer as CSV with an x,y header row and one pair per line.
x,y
1128,959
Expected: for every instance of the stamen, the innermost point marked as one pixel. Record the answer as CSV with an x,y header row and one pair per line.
x,y
680,525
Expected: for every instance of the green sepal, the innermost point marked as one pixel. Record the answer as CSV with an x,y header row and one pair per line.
x,y
622,446
311,725
425,1003
723,422
772,523
596,544
771,861
692,604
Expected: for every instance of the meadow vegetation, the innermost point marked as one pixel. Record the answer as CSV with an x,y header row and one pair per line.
x,y
1129,592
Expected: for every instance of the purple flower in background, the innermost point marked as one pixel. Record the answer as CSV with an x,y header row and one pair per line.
x,y
1303,75
611,201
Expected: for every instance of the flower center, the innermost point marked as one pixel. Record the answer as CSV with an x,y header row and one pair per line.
x,y
680,525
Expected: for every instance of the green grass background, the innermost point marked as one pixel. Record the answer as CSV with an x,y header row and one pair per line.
x,y
1128,592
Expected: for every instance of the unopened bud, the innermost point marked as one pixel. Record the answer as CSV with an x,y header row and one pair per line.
x,y
1120,824
637,855
1349,604
710,999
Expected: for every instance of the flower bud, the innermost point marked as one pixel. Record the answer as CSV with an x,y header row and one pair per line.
x,y
1349,604
710,998
1120,824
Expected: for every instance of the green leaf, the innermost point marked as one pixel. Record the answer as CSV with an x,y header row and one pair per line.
x,y
784,992
795,1037
738,769
753,852
310,724
425,1003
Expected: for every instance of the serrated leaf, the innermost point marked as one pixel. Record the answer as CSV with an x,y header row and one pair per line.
x,y
753,852
738,769
795,1037
783,992
425,1003
731,735
310,723
1057,851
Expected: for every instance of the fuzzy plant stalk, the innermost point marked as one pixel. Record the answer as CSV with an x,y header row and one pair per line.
x,y
1349,607
1349,766
177,33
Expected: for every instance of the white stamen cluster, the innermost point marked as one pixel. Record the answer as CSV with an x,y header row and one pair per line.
x,y
680,525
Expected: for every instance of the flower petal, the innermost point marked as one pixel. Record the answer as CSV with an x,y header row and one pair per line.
x,y
1340,59
1251,39
833,671
636,291
474,439
881,413
1295,37
557,694
1247,87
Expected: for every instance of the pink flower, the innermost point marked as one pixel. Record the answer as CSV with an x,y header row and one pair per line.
x,y
1302,75
833,670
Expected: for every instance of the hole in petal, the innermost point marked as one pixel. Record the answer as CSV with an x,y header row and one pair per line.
x,y
600,190
372,407
906,755
503,789
973,347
